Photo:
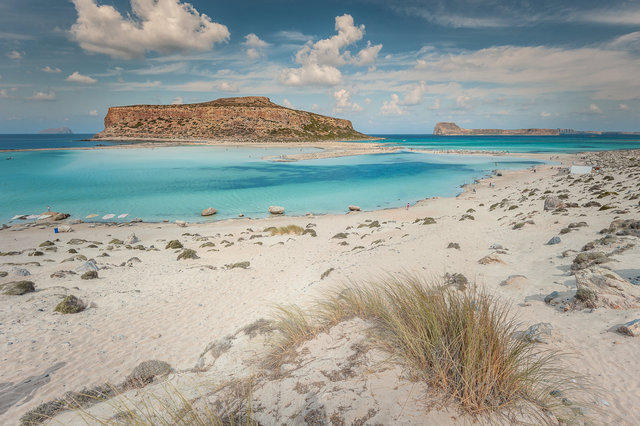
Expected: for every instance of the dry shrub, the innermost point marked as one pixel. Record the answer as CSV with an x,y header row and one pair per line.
x,y
285,230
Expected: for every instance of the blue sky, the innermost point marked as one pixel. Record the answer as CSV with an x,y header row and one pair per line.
x,y
390,67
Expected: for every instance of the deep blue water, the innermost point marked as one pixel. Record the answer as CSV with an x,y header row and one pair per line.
x,y
519,144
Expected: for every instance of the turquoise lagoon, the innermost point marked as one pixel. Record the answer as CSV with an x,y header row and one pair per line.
x,y
178,182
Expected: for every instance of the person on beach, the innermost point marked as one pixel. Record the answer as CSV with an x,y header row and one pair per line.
x,y
48,208
407,206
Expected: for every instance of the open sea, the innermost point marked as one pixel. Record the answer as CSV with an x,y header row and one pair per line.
x,y
170,183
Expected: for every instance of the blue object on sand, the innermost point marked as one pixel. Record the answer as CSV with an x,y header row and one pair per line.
x,y
55,230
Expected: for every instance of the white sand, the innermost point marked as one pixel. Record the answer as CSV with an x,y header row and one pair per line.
x,y
170,310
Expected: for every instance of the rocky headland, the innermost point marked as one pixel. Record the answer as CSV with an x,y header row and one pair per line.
x,y
243,119
452,129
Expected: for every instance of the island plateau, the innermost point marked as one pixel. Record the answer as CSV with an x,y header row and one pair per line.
x,y
242,119
452,129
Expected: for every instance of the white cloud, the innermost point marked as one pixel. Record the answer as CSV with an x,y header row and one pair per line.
x,y
42,96
164,26
595,109
226,86
343,101
76,77
545,114
177,67
177,100
368,55
462,101
320,60
436,104
50,70
391,107
415,96
93,113
623,107
254,46
15,55
286,103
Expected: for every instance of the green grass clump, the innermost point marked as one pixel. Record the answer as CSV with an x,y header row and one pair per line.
x,y
173,244
461,343
188,254
286,230
70,305
242,265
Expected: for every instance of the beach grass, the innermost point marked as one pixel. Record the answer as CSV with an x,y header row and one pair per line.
x,y
461,343
286,230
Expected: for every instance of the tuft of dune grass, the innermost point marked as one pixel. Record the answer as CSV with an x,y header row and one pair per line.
x,y
461,343
285,230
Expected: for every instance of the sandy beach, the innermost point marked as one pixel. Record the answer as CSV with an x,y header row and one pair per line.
x,y
145,304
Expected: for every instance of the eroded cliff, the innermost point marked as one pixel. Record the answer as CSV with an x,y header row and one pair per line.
x,y
452,129
251,118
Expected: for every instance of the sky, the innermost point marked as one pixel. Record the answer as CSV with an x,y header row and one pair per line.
x,y
391,67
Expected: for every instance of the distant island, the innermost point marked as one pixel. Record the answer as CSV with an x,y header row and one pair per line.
x,y
452,129
56,131
252,118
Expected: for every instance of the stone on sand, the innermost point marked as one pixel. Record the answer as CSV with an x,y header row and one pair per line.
x,y
538,333
131,239
597,287
554,240
70,305
89,275
515,280
631,328
209,211
146,371
276,210
490,258
552,202
354,208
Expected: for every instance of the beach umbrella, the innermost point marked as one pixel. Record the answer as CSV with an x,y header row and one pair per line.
x,y
123,215
90,216
108,216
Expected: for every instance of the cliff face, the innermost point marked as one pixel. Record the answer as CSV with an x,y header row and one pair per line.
x,y
251,118
452,129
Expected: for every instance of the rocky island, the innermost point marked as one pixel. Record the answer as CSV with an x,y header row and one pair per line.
x,y
243,119
452,129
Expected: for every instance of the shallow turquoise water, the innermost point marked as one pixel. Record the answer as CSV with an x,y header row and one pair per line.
x,y
178,182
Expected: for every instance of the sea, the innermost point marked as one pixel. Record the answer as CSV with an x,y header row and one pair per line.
x,y
177,183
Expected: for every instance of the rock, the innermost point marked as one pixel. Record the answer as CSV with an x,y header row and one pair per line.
x,y
592,204
276,210
46,244
210,211
538,333
89,265
554,240
489,259
632,328
240,215
188,254
76,241
146,371
3,274
354,208
116,241
311,232
625,227
173,244
70,305
549,297
598,287
515,280
585,260
552,202
62,274
495,246
19,272
60,216
453,246
131,239
18,288
134,260
457,280
340,235
89,275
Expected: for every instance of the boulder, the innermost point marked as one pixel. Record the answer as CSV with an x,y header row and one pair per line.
x,y
552,202
632,328
210,211
276,210
131,239
597,287
554,240
625,227
89,275
18,288
354,208
146,371
70,305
